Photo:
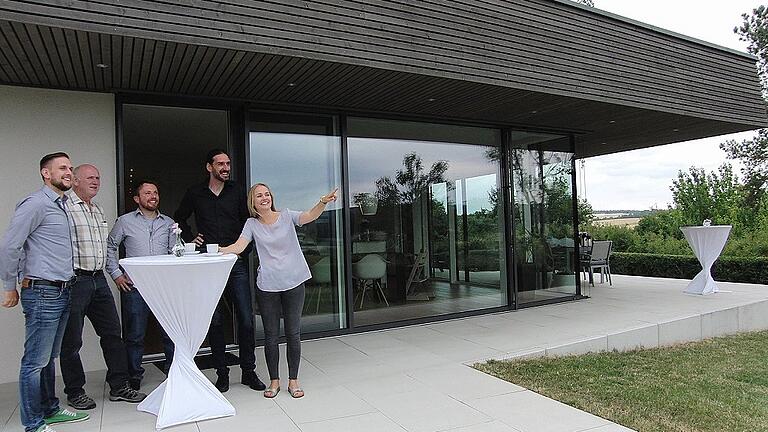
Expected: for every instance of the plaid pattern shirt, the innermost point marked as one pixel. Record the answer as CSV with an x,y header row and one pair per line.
x,y
89,230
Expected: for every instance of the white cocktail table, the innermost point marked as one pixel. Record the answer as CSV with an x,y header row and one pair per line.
x,y
707,242
183,294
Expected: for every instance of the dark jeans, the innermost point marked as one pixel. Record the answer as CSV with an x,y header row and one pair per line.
x,y
136,313
92,298
45,315
272,305
238,292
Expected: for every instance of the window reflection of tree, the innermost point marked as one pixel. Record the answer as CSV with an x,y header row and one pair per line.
x,y
543,213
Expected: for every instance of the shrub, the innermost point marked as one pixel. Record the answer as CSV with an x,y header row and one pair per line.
x,y
726,269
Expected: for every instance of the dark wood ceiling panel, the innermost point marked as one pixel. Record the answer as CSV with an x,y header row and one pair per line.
x,y
147,63
225,74
240,74
31,59
86,61
8,63
70,38
64,59
17,55
39,55
220,60
268,76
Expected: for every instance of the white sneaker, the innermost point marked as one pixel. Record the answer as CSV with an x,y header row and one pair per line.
x,y
45,428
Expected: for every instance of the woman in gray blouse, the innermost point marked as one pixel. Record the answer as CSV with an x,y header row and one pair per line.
x,y
281,276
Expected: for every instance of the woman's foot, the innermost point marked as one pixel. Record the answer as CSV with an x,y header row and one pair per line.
x,y
273,389
294,389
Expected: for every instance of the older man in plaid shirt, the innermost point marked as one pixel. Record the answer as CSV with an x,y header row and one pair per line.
x,y
91,297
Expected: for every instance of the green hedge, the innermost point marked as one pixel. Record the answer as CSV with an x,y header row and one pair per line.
x,y
726,269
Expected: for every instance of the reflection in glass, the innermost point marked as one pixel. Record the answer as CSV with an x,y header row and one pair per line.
x,y
426,224
542,177
300,159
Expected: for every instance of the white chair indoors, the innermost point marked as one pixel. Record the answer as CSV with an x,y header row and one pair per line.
x,y
370,270
321,277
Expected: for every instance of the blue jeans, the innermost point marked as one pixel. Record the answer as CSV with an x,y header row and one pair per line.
x,y
238,291
135,313
46,309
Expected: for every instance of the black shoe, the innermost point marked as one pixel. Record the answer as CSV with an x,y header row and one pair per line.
x,y
126,394
81,402
134,383
222,382
252,380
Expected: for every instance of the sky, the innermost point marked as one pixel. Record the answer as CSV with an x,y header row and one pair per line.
x,y
640,179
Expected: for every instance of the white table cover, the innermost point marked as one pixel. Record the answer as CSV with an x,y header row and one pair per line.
x,y
183,293
707,242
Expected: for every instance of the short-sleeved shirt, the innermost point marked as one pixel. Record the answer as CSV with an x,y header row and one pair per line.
x,y
281,263
89,229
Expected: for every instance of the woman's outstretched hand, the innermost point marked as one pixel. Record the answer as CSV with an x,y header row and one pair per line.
x,y
330,196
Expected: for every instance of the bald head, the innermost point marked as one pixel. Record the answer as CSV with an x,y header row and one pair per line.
x,y
86,182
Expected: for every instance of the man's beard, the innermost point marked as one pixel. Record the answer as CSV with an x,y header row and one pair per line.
x,y
60,185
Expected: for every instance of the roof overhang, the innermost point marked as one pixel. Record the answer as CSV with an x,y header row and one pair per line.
x,y
65,53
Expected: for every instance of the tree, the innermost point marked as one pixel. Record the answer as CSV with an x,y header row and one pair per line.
x,y
589,3
410,182
586,214
753,153
717,196
754,30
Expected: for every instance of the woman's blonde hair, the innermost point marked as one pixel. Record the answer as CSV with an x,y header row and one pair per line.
x,y
251,206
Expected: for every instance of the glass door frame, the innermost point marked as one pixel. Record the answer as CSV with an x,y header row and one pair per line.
x,y
235,127
510,225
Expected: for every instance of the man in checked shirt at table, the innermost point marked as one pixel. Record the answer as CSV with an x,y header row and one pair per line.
x,y
144,231
91,297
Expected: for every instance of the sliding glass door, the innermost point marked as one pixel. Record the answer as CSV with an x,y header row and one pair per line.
x,y
541,175
426,220
299,157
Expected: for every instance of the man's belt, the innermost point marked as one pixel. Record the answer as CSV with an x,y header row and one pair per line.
x,y
90,273
29,283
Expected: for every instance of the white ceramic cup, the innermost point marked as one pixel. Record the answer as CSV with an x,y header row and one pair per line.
x,y
212,248
189,247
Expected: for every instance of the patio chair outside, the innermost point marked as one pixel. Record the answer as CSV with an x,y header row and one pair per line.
x,y
600,259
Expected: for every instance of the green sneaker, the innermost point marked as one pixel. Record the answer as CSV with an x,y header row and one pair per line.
x,y
45,428
66,416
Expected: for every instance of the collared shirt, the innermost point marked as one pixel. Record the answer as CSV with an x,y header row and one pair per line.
x,y
37,244
220,218
89,230
140,236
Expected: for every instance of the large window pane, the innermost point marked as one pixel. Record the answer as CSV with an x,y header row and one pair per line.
x,y
427,225
542,178
300,159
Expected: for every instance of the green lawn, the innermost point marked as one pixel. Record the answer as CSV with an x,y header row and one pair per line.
x,y
714,385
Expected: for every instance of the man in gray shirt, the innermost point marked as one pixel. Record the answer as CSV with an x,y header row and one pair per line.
x,y
142,232
37,249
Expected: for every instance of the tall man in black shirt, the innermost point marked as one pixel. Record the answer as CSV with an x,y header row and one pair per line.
x,y
220,208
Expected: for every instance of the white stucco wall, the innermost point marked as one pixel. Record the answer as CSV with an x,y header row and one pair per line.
x,y
34,122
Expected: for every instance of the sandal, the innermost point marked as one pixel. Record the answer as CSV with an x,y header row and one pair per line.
x,y
271,392
296,392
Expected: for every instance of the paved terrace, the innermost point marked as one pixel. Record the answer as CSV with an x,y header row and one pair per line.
x,y
417,378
